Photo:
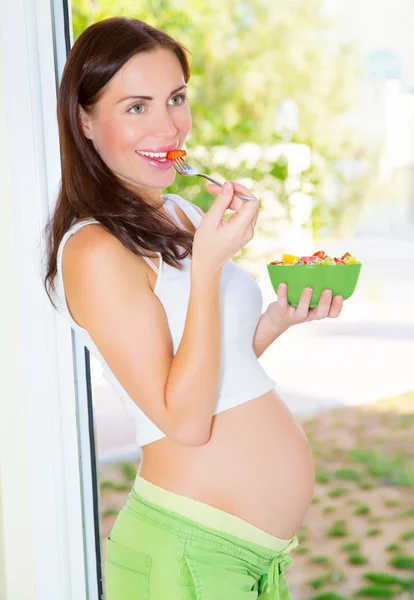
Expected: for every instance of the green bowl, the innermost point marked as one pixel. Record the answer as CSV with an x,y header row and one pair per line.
x,y
341,279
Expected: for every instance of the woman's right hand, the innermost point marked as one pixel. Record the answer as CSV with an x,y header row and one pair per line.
x,y
218,240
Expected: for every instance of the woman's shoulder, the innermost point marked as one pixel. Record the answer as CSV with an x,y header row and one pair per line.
x,y
182,201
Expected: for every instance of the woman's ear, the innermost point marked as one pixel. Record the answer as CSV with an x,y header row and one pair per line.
x,y
85,122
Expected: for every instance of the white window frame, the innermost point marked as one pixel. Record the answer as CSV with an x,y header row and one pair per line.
x,y
48,495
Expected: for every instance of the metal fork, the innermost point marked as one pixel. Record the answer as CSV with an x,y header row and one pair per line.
x,y
183,168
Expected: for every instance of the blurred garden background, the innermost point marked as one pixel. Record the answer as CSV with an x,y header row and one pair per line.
x,y
310,103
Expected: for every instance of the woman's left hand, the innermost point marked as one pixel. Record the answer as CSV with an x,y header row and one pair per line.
x,y
283,316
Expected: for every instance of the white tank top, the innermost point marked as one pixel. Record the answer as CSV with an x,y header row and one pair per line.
x,y
242,377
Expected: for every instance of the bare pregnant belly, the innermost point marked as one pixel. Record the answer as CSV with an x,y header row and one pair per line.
x,y
257,465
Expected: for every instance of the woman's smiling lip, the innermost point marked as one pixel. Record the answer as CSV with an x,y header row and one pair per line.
x,y
162,164
160,149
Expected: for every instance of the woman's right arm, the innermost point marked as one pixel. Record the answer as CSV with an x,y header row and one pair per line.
x,y
109,295
108,292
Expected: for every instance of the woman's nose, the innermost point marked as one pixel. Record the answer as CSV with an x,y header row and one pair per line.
x,y
164,124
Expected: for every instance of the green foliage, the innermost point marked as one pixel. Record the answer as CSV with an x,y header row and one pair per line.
x,y
338,529
391,503
407,584
347,474
357,559
375,591
337,492
408,536
113,485
301,550
110,512
402,561
333,577
317,582
351,546
129,470
362,509
328,596
374,532
383,578
395,469
320,560
393,548
328,510
366,485
322,476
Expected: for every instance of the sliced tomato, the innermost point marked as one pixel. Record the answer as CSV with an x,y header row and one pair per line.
x,y
308,259
320,254
346,254
175,154
276,262
339,261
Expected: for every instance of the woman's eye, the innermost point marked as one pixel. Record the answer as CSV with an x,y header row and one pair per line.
x,y
180,99
140,108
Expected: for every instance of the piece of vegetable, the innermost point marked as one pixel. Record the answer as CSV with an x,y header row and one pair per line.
x,y
175,154
290,259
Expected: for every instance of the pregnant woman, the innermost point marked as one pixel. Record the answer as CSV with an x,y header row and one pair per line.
x,y
147,282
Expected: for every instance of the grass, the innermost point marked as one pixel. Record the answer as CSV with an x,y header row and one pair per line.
x,y
408,536
402,561
373,532
390,470
332,577
112,485
362,509
328,510
376,591
329,596
110,512
338,529
320,560
390,503
338,492
301,550
393,548
347,474
351,546
129,471
322,476
366,485
355,558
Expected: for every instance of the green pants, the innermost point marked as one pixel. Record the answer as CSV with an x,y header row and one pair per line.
x,y
168,547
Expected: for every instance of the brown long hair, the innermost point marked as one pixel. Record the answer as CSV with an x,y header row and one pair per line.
x,y
88,187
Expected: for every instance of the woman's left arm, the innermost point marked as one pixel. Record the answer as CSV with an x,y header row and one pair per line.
x,y
279,315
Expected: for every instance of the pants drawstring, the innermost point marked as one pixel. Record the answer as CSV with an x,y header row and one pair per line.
x,y
276,587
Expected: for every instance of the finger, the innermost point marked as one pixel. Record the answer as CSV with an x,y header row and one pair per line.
x,y
236,203
238,188
282,295
255,218
336,307
324,304
221,203
303,305
245,215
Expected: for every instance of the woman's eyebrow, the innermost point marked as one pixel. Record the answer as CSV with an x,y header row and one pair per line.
x,y
150,97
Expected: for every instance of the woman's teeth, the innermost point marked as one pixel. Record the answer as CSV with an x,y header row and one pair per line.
x,y
161,156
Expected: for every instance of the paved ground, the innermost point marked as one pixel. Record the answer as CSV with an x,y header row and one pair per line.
x,y
366,354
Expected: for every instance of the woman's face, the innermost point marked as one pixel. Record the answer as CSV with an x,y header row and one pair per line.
x,y
143,109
